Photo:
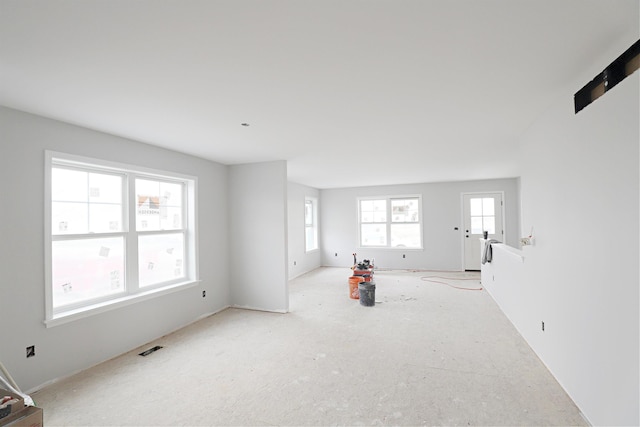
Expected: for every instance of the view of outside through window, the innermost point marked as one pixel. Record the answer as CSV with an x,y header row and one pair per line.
x,y
89,234
159,205
85,202
159,208
405,226
87,269
310,224
87,207
373,222
161,258
482,215
403,230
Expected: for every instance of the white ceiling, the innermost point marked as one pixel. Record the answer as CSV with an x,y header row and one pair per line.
x,y
349,92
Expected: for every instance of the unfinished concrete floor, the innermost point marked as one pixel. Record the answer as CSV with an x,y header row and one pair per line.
x,y
426,354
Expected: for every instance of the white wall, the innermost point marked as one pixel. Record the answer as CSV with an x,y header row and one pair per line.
x,y
580,192
258,236
502,276
67,348
300,261
442,212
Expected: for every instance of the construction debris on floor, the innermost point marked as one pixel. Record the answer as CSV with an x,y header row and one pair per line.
x,y
14,412
361,283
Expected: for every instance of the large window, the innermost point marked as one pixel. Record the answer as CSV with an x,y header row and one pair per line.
x,y
390,222
115,233
311,223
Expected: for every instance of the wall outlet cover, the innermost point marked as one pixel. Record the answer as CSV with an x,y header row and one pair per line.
x,y
526,241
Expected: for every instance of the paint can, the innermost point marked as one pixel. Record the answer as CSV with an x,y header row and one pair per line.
x,y
353,287
367,291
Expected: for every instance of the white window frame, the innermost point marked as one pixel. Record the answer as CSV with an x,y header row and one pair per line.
x,y
314,224
389,221
133,293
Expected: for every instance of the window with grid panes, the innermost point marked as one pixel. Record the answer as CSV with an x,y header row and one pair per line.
x,y
390,222
311,223
114,232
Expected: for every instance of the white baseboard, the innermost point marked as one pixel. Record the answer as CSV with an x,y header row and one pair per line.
x,y
246,307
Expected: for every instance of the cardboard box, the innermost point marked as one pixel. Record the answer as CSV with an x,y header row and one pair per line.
x,y
10,410
29,417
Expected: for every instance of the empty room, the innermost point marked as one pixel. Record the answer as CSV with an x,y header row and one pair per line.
x,y
319,212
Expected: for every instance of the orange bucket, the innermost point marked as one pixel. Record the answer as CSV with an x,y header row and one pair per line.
x,y
354,293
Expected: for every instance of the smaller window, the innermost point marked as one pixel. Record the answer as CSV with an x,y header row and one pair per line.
x,y
483,216
311,223
390,222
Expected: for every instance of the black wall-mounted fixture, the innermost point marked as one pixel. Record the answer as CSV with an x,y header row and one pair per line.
x,y
617,71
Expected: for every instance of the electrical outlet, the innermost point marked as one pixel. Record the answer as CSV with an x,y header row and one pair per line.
x,y
204,294
31,351
526,241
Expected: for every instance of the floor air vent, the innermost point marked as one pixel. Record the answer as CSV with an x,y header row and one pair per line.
x,y
151,350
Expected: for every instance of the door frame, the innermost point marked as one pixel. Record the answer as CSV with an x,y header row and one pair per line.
x,y
462,219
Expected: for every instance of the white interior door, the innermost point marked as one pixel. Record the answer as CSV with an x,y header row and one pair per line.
x,y
482,212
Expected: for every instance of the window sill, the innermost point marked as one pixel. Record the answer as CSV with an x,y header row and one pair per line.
x,y
84,312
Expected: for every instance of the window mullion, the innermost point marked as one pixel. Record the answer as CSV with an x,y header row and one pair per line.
x,y
131,237
87,202
389,219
